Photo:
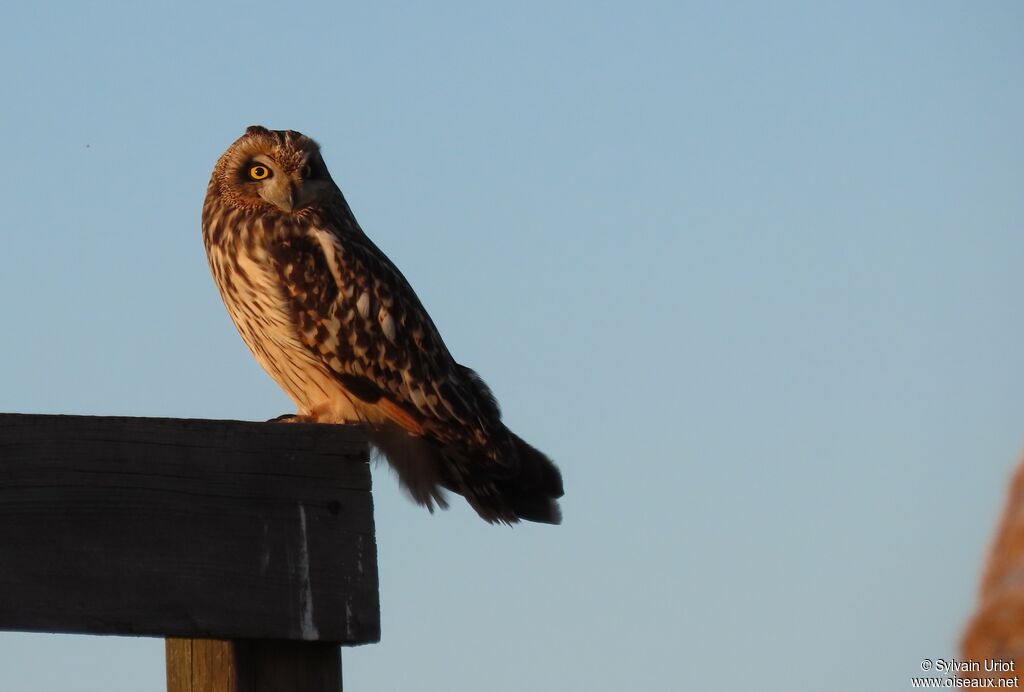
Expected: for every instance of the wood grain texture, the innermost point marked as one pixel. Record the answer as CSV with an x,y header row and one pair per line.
x,y
186,528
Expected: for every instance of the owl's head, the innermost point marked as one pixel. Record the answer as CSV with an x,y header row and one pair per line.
x,y
271,170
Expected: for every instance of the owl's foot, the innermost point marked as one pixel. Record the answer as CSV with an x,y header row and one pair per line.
x,y
291,418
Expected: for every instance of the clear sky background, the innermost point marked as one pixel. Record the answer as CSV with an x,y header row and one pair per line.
x,y
749,272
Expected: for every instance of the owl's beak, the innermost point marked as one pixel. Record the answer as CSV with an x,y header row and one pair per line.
x,y
280,192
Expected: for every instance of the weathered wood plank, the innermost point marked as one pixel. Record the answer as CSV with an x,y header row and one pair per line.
x,y
186,528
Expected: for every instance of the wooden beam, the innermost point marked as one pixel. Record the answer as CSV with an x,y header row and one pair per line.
x,y
186,528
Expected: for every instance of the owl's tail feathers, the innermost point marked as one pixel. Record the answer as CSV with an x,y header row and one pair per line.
x,y
526,489
533,493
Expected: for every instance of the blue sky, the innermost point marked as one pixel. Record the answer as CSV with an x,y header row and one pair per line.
x,y
749,273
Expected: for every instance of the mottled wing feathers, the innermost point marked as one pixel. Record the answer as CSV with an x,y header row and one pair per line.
x,y
359,315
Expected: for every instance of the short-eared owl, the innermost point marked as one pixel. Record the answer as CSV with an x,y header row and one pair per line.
x,y
338,327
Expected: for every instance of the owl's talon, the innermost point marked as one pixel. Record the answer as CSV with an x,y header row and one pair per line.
x,y
287,418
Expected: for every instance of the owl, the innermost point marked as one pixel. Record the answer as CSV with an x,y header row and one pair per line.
x,y
335,323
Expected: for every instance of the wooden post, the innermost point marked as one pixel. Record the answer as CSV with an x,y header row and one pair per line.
x,y
252,665
249,546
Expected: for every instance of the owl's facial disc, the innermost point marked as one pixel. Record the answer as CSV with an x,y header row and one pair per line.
x,y
272,183
289,192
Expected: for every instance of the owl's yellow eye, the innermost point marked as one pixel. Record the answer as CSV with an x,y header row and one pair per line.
x,y
258,171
